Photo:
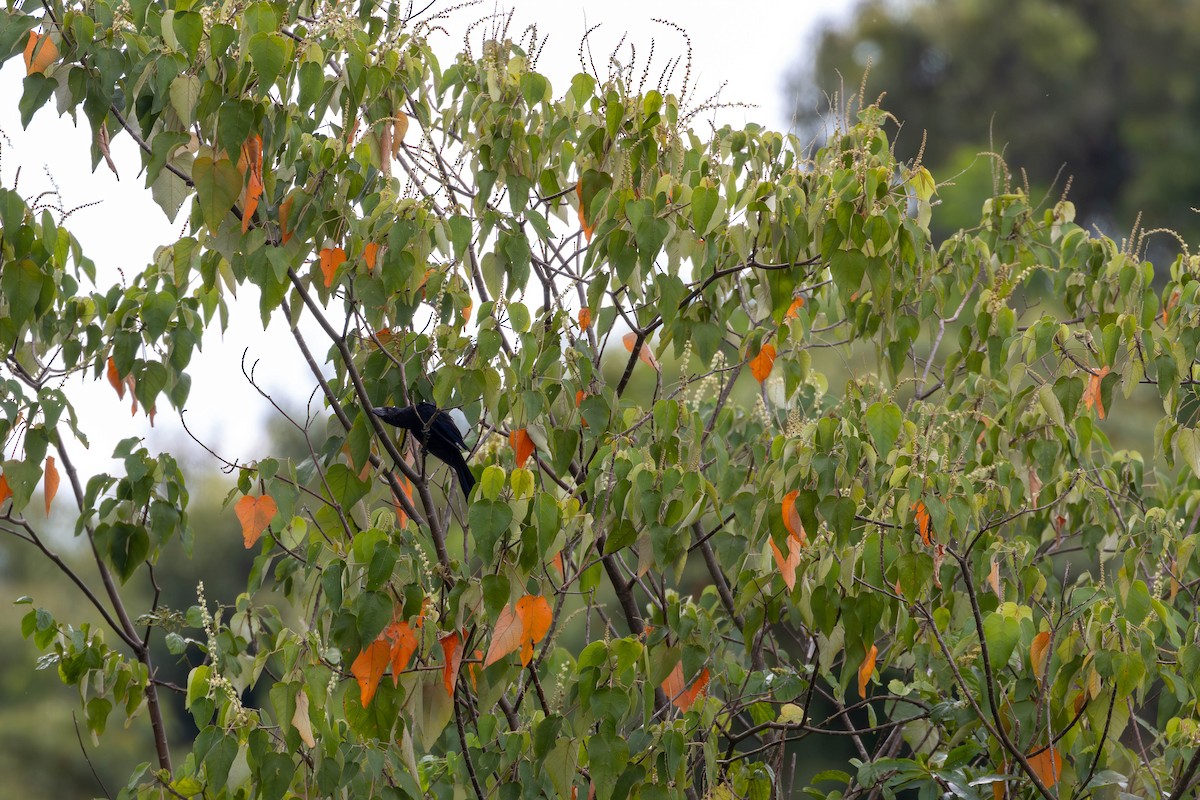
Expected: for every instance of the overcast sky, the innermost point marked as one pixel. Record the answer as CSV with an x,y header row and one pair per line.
x,y
750,52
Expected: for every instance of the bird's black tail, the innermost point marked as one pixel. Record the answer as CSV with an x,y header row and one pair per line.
x,y
465,479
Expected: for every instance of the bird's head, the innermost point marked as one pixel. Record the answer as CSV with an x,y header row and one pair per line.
x,y
392,415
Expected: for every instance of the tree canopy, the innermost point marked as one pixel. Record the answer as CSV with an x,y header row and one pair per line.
x,y
758,466
1106,94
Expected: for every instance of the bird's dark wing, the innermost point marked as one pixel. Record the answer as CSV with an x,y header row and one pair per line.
x,y
440,424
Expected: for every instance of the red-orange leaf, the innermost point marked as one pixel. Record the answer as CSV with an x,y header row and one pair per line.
x,y
867,670
793,311
255,514
588,230
5,489
534,612
521,444
644,355
452,647
697,690
1091,393
285,211
673,685
1171,303
370,253
1039,651
403,645
760,365
506,636
406,487
1047,765
585,318
331,259
922,516
368,668
114,378
40,53
50,487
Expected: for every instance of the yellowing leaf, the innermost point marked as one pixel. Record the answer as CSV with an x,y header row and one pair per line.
x,y
521,444
50,486
114,378
867,670
1091,393
1047,765
644,355
452,647
994,578
760,365
301,722
1039,652
922,516
368,669
399,128
331,259
40,53
255,514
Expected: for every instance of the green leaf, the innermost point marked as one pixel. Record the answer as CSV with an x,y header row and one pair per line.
x,y
488,521
608,754
38,89
218,184
269,52
189,28
185,94
345,487
1002,634
847,268
883,422
21,283
1187,440
704,202
126,546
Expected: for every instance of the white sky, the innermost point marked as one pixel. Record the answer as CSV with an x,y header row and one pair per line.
x,y
751,52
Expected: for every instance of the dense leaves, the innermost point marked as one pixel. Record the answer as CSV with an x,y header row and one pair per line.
x,y
838,487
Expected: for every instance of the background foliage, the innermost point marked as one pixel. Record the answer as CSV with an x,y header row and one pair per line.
x,y
680,564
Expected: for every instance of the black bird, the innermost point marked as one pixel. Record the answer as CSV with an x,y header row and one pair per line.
x,y
438,434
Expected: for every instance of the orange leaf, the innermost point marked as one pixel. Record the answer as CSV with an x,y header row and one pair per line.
x,y
255,514
536,617
399,128
40,53
922,516
368,669
1039,652
1047,765
787,566
50,487
1035,485
867,670
506,636
466,312
687,699
452,647
250,165
993,578
407,487
588,230
1171,303
998,790
114,378
760,365
285,211
403,645
331,259
791,517
370,253
5,489
1091,394
585,318
644,355
793,311
521,444
673,685
557,561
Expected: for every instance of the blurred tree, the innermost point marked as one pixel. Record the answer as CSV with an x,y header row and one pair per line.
x,y
1108,92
